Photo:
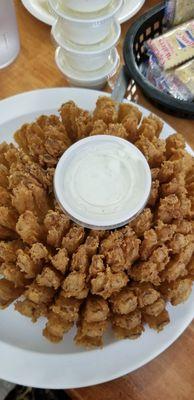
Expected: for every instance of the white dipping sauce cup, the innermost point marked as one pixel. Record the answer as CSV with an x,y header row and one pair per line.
x,y
88,79
86,58
86,5
102,182
86,31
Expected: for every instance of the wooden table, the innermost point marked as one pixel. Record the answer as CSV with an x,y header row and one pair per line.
x,y
171,375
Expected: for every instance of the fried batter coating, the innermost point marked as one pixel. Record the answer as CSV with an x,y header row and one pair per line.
x,y
4,176
128,321
154,193
45,143
148,244
8,250
105,110
61,260
156,308
13,274
8,217
178,291
93,320
5,197
169,208
73,239
160,256
39,253
122,333
154,151
56,225
123,302
92,329
75,285
8,292
159,322
130,117
174,142
31,310
4,147
169,170
7,234
30,197
177,265
175,186
91,245
106,283
190,269
95,309
66,308
99,128
70,274
80,260
177,243
87,341
39,294
97,265
155,173
77,122
49,278
185,158
29,229
143,222
145,271
127,110
130,124
164,232
117,130
56,327
146,293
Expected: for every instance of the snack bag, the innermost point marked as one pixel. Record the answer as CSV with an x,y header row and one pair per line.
x,y
179,82
178,11
173,47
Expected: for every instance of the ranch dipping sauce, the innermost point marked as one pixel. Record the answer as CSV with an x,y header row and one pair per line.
x,y
102,182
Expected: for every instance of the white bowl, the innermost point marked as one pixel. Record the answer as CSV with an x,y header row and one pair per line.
x,y
86,5
91,57
102,182
88,79
87,31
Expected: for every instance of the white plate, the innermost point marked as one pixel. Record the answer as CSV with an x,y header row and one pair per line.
x,y
39,9
29,359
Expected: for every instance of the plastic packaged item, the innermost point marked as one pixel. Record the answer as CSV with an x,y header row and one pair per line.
x,y
179,82
87,29
86,58
89,79
173,47
178,11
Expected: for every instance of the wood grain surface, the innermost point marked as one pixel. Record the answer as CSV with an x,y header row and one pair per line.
x,y
171,375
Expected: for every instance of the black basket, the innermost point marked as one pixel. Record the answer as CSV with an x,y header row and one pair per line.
x,y
150,25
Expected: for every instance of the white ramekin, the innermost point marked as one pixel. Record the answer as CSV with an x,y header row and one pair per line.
x,y
86,5
90,214
88,79
91,57
86,31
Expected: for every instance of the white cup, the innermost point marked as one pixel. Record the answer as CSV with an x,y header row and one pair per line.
x,y
86,5
91,57
87,31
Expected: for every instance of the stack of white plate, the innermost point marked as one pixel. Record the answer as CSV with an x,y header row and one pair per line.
x,y
86,33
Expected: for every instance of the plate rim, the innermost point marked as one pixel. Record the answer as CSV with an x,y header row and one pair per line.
x,y
11,351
